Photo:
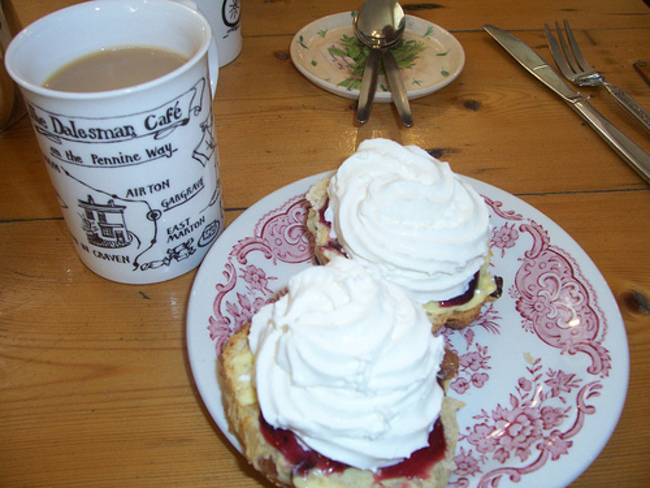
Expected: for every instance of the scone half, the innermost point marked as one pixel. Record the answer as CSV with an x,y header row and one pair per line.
x,y
284,466
457,313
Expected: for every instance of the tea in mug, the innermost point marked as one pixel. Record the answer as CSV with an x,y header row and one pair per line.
x,y
115,68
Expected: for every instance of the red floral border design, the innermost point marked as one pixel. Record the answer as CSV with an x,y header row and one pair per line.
x,y
280,235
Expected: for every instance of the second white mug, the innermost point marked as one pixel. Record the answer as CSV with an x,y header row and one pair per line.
x,y
225,18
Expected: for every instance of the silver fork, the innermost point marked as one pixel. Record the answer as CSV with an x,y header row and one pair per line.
x,y
573,66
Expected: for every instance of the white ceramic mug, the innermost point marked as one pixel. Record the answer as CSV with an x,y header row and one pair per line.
x,y
225,18
136,169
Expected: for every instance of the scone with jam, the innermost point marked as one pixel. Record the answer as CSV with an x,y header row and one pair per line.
x,y
340,384
406,216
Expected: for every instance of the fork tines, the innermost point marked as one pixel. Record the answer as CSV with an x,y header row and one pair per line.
x,y
569,60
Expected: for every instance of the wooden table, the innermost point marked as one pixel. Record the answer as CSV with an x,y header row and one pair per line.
x,y
95,384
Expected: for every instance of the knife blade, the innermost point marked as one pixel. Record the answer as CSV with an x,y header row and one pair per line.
x,y
626,148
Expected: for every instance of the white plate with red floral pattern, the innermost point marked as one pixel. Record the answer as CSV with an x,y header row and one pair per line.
x,y
543,371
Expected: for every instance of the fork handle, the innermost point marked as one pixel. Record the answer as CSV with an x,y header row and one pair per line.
x,y
630,104
627,149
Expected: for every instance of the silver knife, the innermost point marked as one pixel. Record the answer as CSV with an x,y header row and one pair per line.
x,y
626,148
397,88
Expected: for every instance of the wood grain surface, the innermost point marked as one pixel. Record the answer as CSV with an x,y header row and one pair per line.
x,y
95,384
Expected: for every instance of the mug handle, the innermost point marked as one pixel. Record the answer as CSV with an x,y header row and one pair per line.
x,y
213,65
213,54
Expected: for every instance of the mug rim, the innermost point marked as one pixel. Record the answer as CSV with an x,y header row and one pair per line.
x,y
32,30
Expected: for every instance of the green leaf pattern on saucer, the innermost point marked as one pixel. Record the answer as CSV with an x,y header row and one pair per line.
x,y
328,53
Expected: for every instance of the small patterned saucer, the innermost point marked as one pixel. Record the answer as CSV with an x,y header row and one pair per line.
x,y
329,55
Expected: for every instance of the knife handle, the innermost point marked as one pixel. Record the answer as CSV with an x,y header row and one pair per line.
x,y
397,88
368,86
626,148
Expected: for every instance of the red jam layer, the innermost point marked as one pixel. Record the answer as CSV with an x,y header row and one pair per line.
x,y
332,243
302,459
465,297
421,462
419,465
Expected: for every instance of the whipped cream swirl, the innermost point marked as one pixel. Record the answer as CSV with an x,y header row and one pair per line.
x,y
349,364
405,214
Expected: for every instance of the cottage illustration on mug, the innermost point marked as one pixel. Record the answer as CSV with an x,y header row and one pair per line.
x,y
104,224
